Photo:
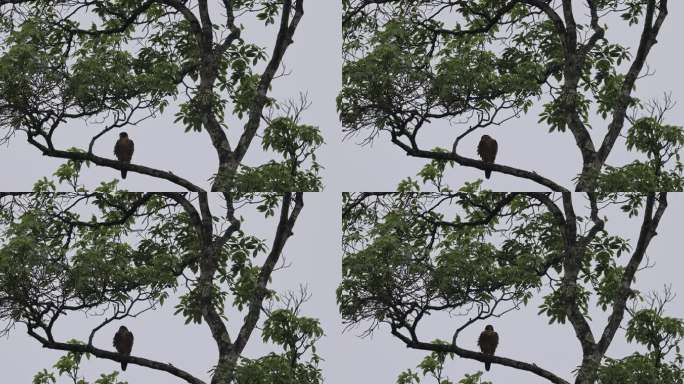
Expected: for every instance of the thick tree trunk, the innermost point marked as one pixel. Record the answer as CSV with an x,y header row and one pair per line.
x,y
225,369
587,373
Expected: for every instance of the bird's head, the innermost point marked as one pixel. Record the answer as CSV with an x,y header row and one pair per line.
x,y
486,137
122,328
489,327
123,135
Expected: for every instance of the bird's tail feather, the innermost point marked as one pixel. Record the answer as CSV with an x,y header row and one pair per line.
x,y
124,364
124,172
487,366
488,173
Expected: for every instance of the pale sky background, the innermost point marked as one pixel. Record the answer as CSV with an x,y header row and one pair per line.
x,y
314,251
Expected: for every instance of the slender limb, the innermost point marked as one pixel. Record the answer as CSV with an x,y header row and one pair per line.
x,y
283,40
648,40
648,231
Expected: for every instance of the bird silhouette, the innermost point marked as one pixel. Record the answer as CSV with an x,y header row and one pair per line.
x,y
487,150
488,341
123,149
123,342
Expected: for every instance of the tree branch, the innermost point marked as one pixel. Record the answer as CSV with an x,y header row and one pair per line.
x,y
283,40
648,40
120,165
468,162
114,356
283,232
467,354
648,231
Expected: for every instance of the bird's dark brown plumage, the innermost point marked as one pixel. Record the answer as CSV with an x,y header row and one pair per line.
x,y
487,150
123,342
488,341
123,149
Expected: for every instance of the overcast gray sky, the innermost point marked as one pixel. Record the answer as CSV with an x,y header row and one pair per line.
x,y
314,251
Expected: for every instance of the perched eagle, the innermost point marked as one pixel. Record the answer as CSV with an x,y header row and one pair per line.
x,y
488,341
124,150
487,151
123,342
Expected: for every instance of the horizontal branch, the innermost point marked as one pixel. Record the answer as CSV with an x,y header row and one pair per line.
x,y
120,165
82,348
125,215
467,354
491,214
123,23
491,22
468,162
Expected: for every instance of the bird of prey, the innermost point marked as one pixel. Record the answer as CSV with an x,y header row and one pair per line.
x,y
487,151
124,150
123,342
488,341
